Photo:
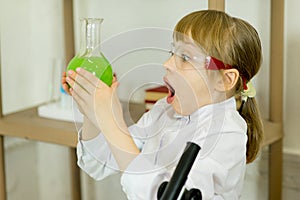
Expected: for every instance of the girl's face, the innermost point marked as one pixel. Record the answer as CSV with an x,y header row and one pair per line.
x,y
190,84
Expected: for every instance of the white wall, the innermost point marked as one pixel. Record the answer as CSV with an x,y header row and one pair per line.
x,y
292,83
31,43
31,46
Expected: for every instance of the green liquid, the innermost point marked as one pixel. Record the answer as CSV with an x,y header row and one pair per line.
x,y
99,66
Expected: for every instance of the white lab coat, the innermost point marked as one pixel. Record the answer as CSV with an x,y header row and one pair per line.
x,y
161,134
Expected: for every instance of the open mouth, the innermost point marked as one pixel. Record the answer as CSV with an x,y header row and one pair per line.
x,y
171,93
171,89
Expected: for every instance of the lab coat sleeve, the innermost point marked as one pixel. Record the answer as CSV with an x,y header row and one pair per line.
x,y
142,179
94,157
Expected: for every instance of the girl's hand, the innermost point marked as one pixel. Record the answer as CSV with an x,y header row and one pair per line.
x,y
66,87
101,105
97,101
64,84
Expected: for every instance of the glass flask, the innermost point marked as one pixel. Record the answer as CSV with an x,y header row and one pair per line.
x,y
90,56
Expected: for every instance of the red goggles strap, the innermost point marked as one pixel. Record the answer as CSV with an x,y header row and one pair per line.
x,y
215,64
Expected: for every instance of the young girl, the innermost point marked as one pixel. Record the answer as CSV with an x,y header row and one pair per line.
x,y
210,102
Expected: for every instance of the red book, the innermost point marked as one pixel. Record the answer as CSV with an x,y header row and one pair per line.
x,y
156,93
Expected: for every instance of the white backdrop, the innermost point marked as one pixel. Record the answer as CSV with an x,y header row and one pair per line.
x,y
31,44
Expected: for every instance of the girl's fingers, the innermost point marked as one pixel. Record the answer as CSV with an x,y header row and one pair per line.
x,y
78,89
64,84
87,81
88,76
115,85
63,78
82,81
114,78
66,88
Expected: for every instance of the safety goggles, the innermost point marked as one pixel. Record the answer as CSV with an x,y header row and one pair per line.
x,y
189,56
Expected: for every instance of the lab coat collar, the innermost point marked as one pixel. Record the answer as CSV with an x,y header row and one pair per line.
x,y
209,110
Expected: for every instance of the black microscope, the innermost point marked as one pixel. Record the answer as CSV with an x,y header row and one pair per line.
x,y
172,190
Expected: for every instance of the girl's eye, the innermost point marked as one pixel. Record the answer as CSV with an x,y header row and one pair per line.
x,y
185,58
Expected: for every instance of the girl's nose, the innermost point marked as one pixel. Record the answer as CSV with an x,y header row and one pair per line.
x,y
170,63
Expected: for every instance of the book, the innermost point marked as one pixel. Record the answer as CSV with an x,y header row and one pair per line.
x,y
154,94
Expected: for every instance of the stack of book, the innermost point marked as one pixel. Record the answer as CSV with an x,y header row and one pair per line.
x,y
154,94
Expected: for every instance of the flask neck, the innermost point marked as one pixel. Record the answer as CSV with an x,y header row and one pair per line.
x,y
90,36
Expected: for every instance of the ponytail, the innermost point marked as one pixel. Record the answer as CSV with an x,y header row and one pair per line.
x,y
250,112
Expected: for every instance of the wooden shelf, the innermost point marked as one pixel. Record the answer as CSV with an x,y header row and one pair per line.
x,y
273,132
27,124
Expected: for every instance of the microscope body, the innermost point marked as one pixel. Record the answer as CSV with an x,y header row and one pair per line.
x,y
172,190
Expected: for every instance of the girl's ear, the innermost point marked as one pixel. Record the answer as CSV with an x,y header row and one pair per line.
x,y
228,80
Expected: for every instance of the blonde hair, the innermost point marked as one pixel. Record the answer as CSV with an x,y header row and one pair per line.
x,y
235,42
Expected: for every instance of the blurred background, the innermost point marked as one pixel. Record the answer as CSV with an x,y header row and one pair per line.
x,y
32,56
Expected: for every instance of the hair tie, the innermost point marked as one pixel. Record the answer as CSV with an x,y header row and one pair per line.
x,y
250,92
244,83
